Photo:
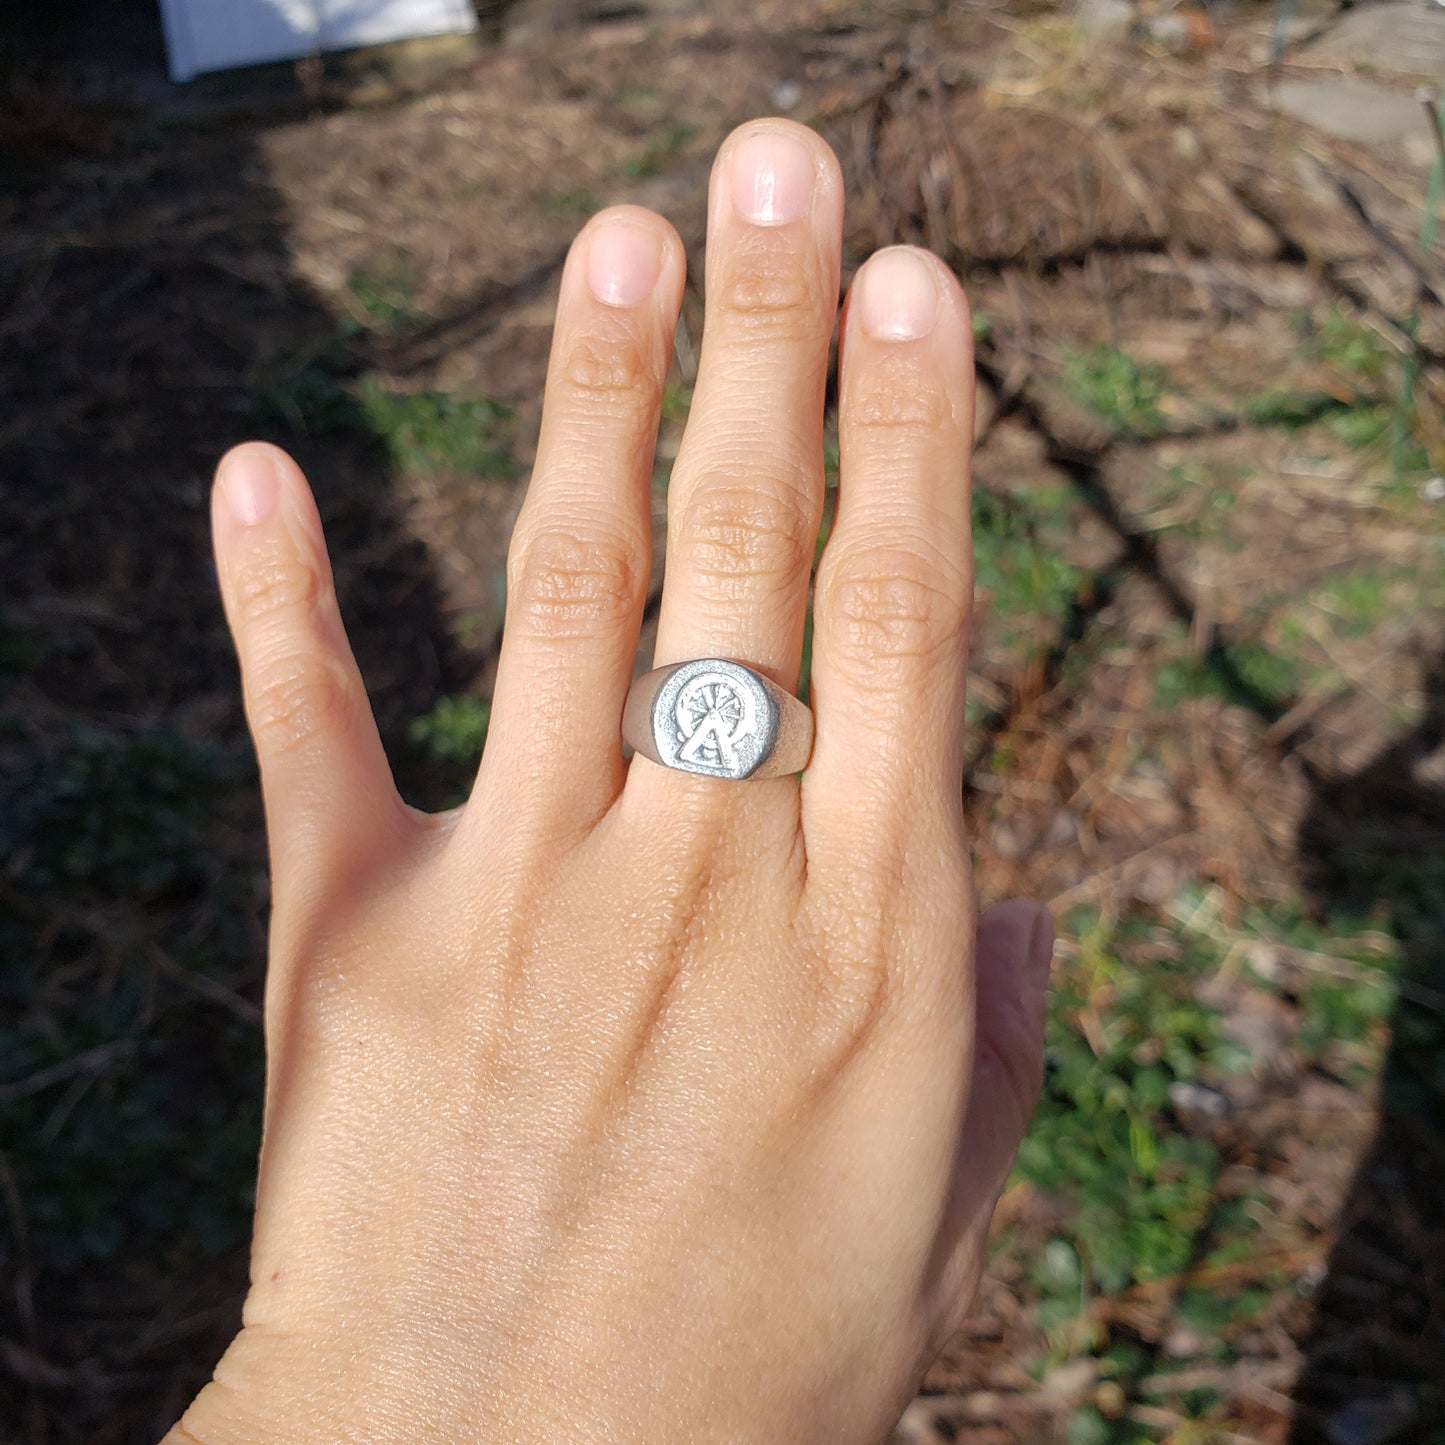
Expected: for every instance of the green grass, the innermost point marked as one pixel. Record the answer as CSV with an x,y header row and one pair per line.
x,y
113,895
1248,674
1016,563
1291,409
1355,602
1351,1011
573,203
432,431
1027,593
421,432
649,162
1117,388
22,650
1376,407
311,395
449,739
453,731
1138,1190
1360,426
1354,973
1142,1205
1350,346
1137,1193
384,300
1192,499
676,400
1362,423
117,813
1385,406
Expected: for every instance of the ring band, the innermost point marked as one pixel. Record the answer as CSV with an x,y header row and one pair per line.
x,y
717,717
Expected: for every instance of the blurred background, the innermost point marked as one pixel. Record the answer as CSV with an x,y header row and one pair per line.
x,y
1208,677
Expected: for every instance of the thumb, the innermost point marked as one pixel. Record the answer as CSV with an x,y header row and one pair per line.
x,y
1011,974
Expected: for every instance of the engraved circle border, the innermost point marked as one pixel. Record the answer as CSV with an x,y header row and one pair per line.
x,y
753,751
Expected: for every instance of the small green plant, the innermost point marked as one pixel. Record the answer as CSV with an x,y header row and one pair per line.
x,y
1138,1190
1408,458
649,162
1192,499
311,397
384,300
1135,1190
1245,673
1088,1426
473,630
573,203
423,432
1116,387
453,731
1352,347
445,744
832,461
1355,602
23,650
1291,409
1021,577
676,400
1342,1009
432,431
1360,426
112,852
122,815
1381,402
1257,677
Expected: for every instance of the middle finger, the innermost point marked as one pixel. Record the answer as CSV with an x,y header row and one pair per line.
x,y
747,488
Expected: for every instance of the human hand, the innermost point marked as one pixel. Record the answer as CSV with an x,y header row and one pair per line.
x,y
622,1103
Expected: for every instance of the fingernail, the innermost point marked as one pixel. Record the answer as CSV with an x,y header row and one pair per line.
x,y
899,296
250,485
773,178
623,263
1041,946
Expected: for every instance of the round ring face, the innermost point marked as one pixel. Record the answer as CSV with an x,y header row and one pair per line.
x,y
714,717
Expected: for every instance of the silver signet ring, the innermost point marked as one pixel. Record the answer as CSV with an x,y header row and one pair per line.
x,y
717,717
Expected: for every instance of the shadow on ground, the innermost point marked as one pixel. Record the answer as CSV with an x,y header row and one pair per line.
x,y
148,321
1373,845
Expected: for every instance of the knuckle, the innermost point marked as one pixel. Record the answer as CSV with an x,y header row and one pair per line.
x,y
739,539
899,396
564,587
298,698
605,373
274,584
895,604
768,287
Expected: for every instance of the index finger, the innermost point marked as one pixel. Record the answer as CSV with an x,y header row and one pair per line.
x,y
894,592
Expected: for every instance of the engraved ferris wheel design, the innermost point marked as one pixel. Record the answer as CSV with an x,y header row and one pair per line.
x,y
714,715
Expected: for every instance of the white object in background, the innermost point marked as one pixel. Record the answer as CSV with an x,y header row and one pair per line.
x,y
206,35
